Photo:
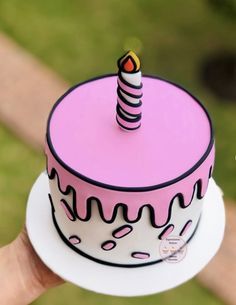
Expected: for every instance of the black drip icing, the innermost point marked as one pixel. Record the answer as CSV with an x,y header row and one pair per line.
x,y
123,206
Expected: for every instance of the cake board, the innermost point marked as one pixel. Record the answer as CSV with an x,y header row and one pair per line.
x,y
119,281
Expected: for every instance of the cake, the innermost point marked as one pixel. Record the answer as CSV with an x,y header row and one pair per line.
x,y
129,158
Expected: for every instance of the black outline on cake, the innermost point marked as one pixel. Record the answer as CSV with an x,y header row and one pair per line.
x,y
121,188
67,242
123,206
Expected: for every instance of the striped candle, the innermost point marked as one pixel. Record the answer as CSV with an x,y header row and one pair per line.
x,y
129,92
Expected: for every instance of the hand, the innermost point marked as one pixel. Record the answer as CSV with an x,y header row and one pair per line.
x,y
23,276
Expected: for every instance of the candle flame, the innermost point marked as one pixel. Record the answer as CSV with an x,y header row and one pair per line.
x,y
129,63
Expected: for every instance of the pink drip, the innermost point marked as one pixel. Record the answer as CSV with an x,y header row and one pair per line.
x,y
158,199
205,182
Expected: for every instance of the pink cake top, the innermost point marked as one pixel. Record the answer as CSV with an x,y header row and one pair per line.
x,y
84,136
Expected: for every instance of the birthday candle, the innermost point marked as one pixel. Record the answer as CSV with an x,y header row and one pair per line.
x,y
129,92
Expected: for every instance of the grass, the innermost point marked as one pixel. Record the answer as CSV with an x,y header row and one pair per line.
x,y
80,39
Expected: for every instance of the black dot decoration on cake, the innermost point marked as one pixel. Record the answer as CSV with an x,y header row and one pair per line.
x,y
67,209
168,229
74,239
210,172
140,255
122,231
185,227
108,245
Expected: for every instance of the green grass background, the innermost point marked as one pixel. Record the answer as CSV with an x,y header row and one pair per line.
x,y
80,39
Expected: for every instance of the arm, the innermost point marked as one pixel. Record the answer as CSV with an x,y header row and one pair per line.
x,y
23,276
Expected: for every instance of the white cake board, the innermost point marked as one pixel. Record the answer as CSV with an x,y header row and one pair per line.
x,y
119,281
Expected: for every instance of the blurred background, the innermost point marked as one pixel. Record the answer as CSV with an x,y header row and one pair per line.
x,y
189,42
